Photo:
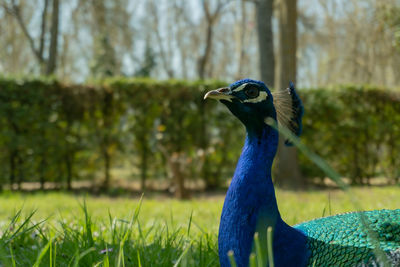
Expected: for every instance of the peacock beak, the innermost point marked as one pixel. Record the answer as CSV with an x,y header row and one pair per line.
x,y
220,94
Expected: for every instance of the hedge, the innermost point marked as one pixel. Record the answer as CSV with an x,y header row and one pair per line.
x,y
57,132
356,129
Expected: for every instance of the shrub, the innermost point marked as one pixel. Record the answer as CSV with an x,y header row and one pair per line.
x,y
56,132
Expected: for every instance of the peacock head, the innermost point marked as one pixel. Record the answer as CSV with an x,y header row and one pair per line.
x,y
249,100
252,103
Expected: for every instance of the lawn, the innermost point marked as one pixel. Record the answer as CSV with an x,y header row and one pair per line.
x,y
159,232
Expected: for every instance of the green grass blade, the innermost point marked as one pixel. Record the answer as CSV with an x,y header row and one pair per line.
x,y
5,256
51,253
121,260
74,258
310,154
121,257
252,260
329,203
231,258
138,258
20,230
79,256
106,261
88,225
259,252
182,255
55,255
12,257
270,248
25,231
42,253
10,226
190,222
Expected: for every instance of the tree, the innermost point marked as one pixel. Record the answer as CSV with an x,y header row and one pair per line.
x,y
47,65
148,64
52,61
287,171
264,11
211,17
164,46
341,42
105,63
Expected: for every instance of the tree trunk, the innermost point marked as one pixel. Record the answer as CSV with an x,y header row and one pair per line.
x,y
20,164
207,51
42,36
107,165
68,165
144,168
12,169
287,171
178,175
52,62
210,18
107,114
42,167
265,41
286,57
211,182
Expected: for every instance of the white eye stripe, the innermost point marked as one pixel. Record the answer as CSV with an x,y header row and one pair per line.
x,y
240,88
261,97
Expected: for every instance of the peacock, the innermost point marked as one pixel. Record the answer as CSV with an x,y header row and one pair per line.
x,y
250,205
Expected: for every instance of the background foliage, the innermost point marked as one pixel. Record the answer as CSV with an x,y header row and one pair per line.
x,y
53,132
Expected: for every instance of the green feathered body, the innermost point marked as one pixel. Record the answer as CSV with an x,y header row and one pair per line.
x,y
343,240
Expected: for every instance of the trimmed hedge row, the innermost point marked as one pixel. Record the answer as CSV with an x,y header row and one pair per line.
x,y
55,132
356,129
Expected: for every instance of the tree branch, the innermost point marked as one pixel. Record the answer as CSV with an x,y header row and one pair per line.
x,y
43,28
211,18
14,10
163,54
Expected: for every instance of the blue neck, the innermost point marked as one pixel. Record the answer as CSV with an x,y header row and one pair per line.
x,y
250,205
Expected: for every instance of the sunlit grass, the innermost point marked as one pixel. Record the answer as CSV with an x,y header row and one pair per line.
x,y
165,231
295,206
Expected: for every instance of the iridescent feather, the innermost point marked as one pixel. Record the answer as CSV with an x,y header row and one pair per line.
x,y
344,240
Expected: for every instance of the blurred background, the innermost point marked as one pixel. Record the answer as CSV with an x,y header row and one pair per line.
x,y
107,96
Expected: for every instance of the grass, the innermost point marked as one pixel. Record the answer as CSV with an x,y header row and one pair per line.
x,y
59,229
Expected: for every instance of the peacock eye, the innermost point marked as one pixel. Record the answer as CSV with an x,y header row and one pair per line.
x,y
252,92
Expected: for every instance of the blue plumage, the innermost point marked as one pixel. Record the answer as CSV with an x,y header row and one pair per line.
x,y
250,205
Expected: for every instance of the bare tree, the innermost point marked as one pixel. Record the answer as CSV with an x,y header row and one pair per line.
x,y
105,62
349,42
164,52
183,26
47,65
211,17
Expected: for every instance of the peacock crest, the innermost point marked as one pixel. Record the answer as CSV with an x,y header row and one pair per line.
x,y
289,109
